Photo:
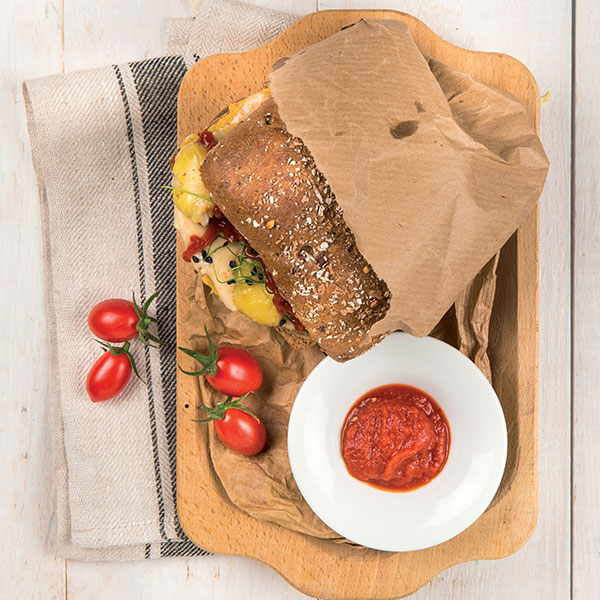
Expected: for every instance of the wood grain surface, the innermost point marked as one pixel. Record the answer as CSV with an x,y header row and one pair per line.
x,y
79,34
26,501
322,568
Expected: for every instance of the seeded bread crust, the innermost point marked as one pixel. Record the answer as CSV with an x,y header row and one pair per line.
x,y
296,339
266,183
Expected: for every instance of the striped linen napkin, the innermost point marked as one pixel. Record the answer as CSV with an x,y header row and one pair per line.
x,y
100,143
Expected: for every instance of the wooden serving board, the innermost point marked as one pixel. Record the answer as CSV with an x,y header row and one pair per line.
x,y
325,569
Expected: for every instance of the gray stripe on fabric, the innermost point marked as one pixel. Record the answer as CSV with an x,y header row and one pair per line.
x,y
186,548
157,82
149,239
143,291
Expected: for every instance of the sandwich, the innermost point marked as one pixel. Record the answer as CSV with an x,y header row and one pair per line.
x,y
261,226
357,195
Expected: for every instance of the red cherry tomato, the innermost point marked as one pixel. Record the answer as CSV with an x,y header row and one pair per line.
x,y
118,320
238,372
231,371
241,431
114,320
108,376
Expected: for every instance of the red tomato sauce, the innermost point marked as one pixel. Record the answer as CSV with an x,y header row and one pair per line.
x,y
395,438
282,306
207,139
198,243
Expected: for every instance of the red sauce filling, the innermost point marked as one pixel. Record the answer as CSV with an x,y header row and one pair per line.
x,y
281,304
198,243
219,225
396,438
207,139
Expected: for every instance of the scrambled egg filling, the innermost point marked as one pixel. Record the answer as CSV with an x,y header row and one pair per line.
x,y
223,266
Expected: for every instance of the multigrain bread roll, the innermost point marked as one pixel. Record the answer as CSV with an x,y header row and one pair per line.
x,y
224,259
267,185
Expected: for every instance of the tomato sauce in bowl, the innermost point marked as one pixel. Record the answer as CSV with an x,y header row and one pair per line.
x,y
395,437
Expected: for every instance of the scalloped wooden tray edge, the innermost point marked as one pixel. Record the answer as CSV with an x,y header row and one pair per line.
x,y
317,567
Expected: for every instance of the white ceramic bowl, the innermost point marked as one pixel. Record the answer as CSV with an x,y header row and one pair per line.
x,y
426,516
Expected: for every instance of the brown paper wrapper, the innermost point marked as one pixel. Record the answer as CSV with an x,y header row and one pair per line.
x,y
433,171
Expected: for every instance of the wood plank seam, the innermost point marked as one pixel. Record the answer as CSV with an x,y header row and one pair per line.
x,y
572,192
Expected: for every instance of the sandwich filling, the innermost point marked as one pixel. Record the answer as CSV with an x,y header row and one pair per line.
x,y
219,253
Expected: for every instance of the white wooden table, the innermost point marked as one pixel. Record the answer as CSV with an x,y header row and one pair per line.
x,y
558,40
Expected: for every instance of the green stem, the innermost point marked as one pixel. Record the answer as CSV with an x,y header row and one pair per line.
x,y
218,412
144,321
178,189
208,361
119,351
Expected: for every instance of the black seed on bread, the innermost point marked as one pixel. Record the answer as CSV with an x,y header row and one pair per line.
x,y
266,183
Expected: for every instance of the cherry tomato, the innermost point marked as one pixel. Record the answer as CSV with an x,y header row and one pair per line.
x,y
114,320
236,426
118,320
238,372
241,431
231,371
109,375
